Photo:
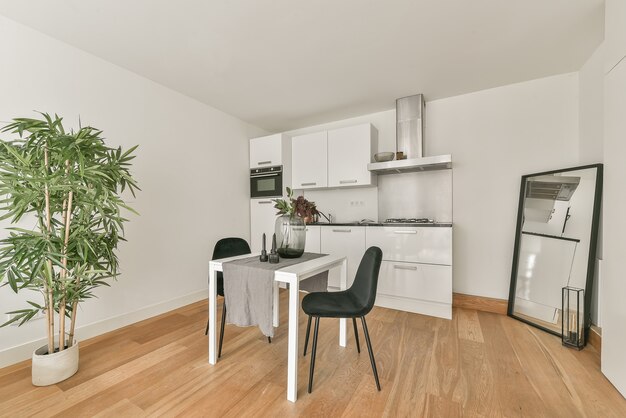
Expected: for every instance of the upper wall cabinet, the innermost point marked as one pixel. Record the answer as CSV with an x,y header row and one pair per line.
x,y
309,155
334,158
269,150
614,32
350,150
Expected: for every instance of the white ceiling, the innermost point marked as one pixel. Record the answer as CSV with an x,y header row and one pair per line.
x,y
283,64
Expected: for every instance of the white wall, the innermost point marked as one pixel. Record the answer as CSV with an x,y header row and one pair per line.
x,y
191,164
591,106
495,136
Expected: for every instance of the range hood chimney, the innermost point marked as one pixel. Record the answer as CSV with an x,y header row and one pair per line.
x,y
410,126
410,141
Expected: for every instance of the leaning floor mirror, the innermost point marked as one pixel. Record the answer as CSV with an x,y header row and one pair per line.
x,y
555,248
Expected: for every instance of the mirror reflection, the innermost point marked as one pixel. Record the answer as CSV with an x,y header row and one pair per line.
x,y
553,250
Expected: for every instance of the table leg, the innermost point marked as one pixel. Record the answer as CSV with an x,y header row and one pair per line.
x,y
212,314
292,358
343,284
276,307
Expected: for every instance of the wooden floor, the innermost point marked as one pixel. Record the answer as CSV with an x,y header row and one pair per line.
x,y
478,364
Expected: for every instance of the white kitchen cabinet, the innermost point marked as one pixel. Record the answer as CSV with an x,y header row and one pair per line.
x,y
270,150
262,220
309,156
414,287
416,273
348,241
417,281
431,245
350,150
313,239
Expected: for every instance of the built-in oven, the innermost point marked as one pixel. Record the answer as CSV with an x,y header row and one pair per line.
x,y
266,182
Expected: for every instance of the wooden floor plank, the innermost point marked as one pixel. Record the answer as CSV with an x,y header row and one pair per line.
x,y
123,408
468,325
477,364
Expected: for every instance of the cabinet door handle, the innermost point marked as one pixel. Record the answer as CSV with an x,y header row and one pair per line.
x,y
342,230
308,184
405,232
347,181
264,162
399,267
264,202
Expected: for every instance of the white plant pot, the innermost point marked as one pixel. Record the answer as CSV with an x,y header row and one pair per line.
x,y
49,369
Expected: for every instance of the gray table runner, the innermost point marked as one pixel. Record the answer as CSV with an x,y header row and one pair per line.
x,y
249,285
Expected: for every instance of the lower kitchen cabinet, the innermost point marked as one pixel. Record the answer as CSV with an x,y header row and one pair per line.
x,y
313,243
432,245
415,287
262,221
416,273
348,241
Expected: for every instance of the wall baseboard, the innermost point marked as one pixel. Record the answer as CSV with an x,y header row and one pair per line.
x,y
499,306
480,303
24,351
595,338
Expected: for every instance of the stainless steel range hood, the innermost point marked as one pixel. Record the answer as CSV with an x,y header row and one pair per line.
x,y
542,193
438,162
410,141
552,187
410,126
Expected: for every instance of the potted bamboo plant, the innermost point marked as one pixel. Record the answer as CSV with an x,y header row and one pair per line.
x,y
68,185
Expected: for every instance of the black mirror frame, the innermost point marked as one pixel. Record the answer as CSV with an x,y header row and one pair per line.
x,y
593,245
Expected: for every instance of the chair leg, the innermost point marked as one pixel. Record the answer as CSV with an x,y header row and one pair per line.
x,y
219,352
269,340
308,331
356,336
207,328
313,351
369,348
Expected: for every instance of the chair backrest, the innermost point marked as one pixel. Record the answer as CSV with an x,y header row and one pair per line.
x,y
365,282
230,247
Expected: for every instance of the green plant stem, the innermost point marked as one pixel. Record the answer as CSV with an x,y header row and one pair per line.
x,y
66,217
48,286
67,220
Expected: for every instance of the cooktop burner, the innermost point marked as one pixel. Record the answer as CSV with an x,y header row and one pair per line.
x,y
409,221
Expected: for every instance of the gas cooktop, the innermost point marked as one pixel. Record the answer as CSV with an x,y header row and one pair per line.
x,y
409,221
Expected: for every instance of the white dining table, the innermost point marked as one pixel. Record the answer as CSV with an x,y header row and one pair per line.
x,y
292,275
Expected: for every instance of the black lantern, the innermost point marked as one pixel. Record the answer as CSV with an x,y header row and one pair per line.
x,y
572,317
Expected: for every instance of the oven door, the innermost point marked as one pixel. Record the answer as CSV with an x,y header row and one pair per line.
x,y
266,184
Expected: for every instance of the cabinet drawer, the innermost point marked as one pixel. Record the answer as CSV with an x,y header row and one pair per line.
x,y
413,244
416,281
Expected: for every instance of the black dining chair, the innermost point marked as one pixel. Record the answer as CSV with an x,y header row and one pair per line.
x,y
355,302
226,247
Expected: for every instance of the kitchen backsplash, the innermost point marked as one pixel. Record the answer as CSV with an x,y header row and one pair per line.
x,y
409,195
422,195
345,205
